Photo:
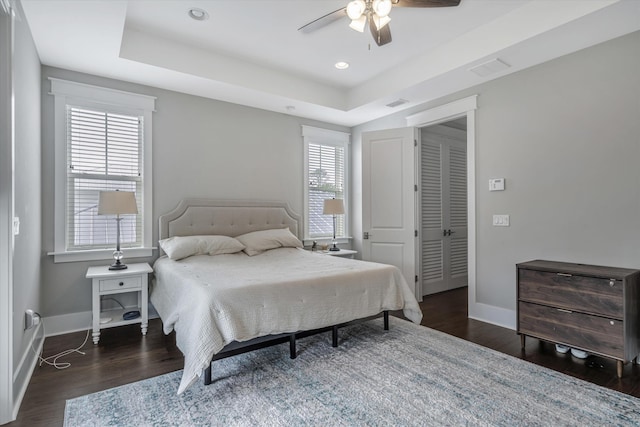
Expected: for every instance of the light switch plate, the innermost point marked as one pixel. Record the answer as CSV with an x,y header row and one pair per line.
x,y
501,220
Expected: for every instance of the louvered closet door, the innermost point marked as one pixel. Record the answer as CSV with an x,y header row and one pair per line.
x,y
443,209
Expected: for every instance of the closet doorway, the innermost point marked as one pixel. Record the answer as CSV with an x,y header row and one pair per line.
x,y
443,206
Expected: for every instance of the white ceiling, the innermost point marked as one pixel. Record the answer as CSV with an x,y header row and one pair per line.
x,y
249,52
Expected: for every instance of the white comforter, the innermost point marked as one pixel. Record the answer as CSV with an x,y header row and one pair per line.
x,y
211,301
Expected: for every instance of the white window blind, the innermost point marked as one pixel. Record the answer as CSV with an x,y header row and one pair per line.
x,y
326,181
104,152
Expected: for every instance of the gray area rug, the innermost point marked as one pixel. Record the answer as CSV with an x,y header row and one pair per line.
x,y
409,375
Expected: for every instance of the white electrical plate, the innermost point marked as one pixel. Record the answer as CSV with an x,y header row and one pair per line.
x,y
496,184
501,220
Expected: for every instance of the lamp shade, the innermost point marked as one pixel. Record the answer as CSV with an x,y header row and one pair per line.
x,y
333,207
117,203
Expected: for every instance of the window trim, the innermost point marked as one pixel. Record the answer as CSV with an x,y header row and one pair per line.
x,y
314,135
79,94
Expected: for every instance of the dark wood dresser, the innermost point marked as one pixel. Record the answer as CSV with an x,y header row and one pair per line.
x,y
587,307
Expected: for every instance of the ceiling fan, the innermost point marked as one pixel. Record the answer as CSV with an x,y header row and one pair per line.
x,y
372,12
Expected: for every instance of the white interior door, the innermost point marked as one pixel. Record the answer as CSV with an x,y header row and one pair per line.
x,y
389,199
443,209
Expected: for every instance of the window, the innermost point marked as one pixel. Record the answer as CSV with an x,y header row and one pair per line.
x,y
103,142
103,153
326,177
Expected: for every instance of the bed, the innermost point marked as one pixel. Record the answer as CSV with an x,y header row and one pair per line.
x,y
226,303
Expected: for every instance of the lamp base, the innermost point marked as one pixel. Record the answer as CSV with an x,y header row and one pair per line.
x,y
118,266
118,255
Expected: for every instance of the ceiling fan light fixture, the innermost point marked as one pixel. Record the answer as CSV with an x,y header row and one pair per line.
x,y
359,24
381,7
355,9
380,21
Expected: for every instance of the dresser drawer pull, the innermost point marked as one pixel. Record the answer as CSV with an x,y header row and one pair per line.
x,y
611,322
612,282
564,274
121,284
564,311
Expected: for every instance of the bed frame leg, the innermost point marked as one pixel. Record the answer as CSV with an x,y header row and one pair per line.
x,y
386,320
207,375
334,337
292,346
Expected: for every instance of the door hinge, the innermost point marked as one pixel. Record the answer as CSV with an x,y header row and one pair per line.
x,y
415,142
415,187
416,278
365,235
415,233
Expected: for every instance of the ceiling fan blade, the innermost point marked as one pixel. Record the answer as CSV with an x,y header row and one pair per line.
x,y
324,20
425,3
382,36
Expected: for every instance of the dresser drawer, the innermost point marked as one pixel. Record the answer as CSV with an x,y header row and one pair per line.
x,y
574,292
128,283
592,333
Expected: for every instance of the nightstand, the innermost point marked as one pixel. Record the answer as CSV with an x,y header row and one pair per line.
x,y
343,253
108,282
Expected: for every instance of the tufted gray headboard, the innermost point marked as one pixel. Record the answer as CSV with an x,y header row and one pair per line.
x,y
227,217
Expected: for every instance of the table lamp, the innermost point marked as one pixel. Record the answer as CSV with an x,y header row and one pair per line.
x,y
333,207
117,203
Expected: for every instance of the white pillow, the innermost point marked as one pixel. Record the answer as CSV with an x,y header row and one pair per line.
x,y
179,247
260,241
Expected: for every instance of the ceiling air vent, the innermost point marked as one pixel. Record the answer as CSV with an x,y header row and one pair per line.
x,y
396,103
489,67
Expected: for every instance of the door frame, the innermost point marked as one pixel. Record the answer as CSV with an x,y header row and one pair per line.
x,y
7,410
444,113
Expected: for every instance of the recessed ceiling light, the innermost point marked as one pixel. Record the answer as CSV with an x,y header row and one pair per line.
x,y
342,65
198,14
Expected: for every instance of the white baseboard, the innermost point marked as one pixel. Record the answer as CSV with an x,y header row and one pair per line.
x,y
67,323
491,314
24,370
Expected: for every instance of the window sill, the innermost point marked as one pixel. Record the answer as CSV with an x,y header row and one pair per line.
x,y
339,240
99,254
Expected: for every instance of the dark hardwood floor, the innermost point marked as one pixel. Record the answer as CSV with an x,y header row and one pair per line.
x,y
123,356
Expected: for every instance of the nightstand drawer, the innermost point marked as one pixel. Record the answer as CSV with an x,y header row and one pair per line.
x,y
122,283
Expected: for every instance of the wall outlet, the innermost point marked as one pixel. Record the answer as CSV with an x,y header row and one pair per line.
x,y
31,319
16,226
496,184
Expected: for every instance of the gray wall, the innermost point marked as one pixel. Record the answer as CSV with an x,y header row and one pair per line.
x,y
201,148
566,136
27,250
